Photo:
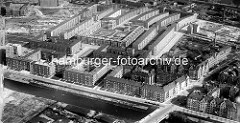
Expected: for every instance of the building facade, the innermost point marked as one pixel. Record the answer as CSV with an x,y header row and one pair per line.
x,y
163,40
123,86
145,39
87,78
43,68
198,71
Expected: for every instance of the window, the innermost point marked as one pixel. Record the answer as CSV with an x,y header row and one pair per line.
x,y
167,94
15,50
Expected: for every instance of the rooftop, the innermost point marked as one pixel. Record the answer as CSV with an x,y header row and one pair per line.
x,y
83,66
224,32
42,62
122,80
196,95
195,49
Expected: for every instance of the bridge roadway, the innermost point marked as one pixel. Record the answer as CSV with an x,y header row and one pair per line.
x,y
161,113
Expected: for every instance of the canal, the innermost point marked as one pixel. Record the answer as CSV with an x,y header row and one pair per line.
x,y
80,101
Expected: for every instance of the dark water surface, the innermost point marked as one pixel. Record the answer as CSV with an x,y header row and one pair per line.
x,y
80,101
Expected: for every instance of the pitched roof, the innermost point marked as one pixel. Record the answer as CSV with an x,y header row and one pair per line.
x,y
219,100
208,99
196,95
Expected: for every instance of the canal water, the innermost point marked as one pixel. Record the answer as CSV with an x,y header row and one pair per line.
x,y
81,101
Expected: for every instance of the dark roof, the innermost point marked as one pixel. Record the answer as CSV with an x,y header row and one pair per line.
x,y
38,119
229,104
196,95
208,99
140,73
218,100
181,79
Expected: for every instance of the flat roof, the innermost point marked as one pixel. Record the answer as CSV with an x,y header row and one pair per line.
x,y
144,35
159,39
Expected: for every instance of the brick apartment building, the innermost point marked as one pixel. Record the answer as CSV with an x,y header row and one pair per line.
x,y
123,86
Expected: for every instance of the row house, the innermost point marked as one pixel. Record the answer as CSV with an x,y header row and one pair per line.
x,y
168,20
163,40
123,86
145,15
72,22
80,27
122,18
155,19
198,101
129,39
145,38
186,21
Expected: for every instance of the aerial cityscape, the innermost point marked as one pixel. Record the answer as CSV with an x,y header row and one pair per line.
x,y
120,61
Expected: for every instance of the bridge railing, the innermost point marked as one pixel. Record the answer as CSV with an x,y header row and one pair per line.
x,y
205,115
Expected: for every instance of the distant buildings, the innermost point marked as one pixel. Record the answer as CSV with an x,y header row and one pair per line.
x,y
69,47
199,101
119,16
84,22
197,71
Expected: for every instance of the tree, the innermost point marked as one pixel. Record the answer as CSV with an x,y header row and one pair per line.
x,y
236,2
